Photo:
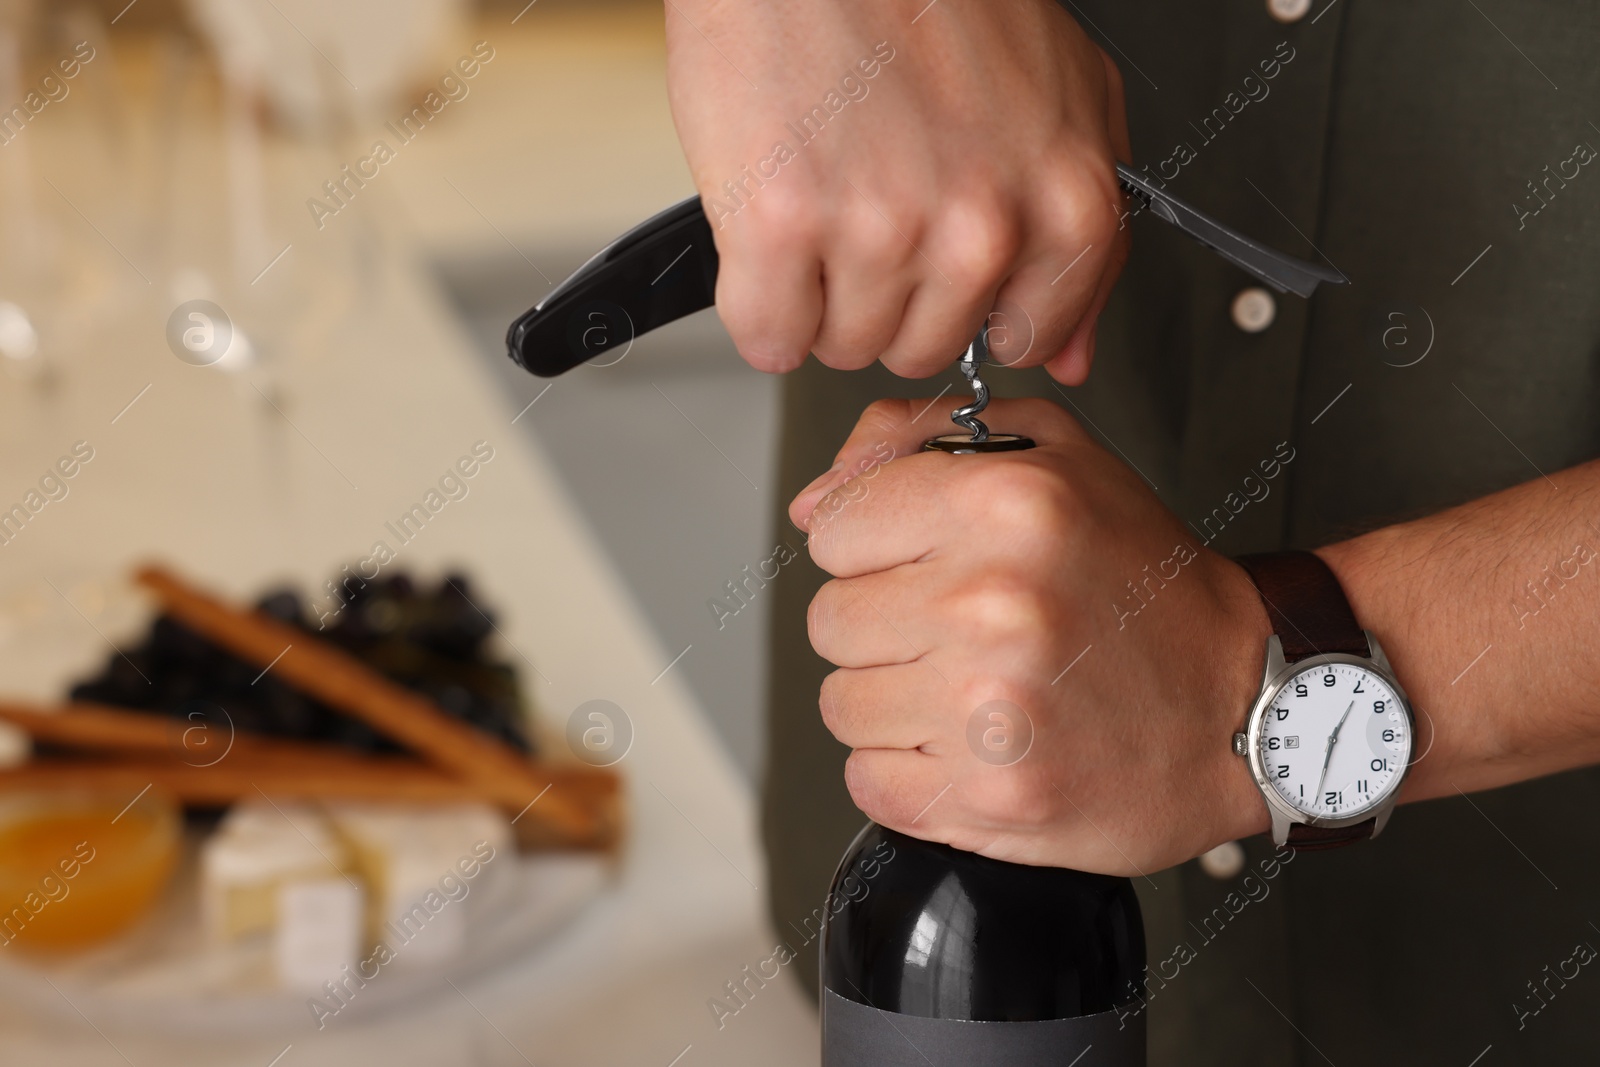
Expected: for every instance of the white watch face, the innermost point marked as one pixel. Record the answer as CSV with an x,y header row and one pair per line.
x,y
1334,741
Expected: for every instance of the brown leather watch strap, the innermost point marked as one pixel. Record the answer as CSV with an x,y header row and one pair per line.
x,y
1303,838
1311,616
1306,605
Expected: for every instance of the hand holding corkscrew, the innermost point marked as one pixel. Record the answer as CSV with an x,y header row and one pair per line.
x,y
666,268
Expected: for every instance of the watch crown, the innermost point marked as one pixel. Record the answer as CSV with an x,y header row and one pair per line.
x,y
1241,745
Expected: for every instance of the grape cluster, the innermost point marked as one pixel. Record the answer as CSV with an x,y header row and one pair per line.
x,y
432,641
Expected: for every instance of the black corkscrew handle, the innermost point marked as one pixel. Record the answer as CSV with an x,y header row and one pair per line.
x,y
666,268
661,270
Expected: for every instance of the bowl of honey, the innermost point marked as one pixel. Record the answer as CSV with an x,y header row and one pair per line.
x,y
79,868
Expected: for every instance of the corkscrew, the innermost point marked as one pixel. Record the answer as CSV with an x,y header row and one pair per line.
x,y
977,437
971,365
666,268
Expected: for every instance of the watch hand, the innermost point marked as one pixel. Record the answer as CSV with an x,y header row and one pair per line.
x,y
1333,739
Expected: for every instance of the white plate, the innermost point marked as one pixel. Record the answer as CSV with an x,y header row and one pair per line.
x,y
163,976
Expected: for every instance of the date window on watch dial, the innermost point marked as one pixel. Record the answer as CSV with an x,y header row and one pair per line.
x,y
1292,741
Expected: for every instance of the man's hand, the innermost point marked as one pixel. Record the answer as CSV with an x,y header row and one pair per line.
x,y
980,601
881,176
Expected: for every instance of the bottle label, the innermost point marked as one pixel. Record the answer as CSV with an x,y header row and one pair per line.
x,y
854,1035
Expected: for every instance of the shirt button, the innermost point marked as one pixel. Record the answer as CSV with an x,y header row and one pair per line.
x,y
1224,861
1288,10
1253,310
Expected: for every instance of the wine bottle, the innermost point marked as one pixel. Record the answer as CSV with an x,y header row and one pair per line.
x,y
933,956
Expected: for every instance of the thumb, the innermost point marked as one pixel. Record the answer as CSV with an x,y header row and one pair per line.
x,y
887,429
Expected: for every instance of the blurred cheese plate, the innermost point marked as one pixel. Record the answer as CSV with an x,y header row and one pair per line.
x,y
284,915
298,918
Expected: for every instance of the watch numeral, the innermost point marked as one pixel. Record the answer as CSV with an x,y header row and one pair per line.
x,y
1380,765
1282,713
1358,688
1377,707
1361,786
1283,772
1300,689
1273,743
1332,799
1329,680
1388,736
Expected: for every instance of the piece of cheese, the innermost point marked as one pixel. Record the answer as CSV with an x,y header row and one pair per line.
x,y
257,849
422,866
15,746
319,931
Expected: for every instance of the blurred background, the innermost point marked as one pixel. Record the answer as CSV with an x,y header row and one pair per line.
x,y
257,260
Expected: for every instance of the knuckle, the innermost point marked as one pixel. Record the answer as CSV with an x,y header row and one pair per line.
x,y
1008,607
785,216
1022,499
1042,503
985,244
1083,205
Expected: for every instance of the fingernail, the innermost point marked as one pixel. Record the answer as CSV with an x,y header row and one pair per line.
x,y
823,479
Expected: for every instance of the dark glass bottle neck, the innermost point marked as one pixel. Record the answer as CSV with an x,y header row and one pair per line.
x,y
925,929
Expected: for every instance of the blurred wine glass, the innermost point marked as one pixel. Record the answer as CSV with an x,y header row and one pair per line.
x,y
19,336
319,76
64,270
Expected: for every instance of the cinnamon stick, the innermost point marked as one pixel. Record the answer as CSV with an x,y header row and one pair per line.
x,y
332,776
332,676
96,727
103,728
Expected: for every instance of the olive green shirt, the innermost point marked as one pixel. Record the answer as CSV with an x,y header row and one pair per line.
x,y
1445,163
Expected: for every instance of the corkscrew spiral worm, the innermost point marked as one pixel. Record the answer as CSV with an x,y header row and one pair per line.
x,y
966,416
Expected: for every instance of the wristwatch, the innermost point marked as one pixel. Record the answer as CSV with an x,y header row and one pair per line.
x,y
1330,737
